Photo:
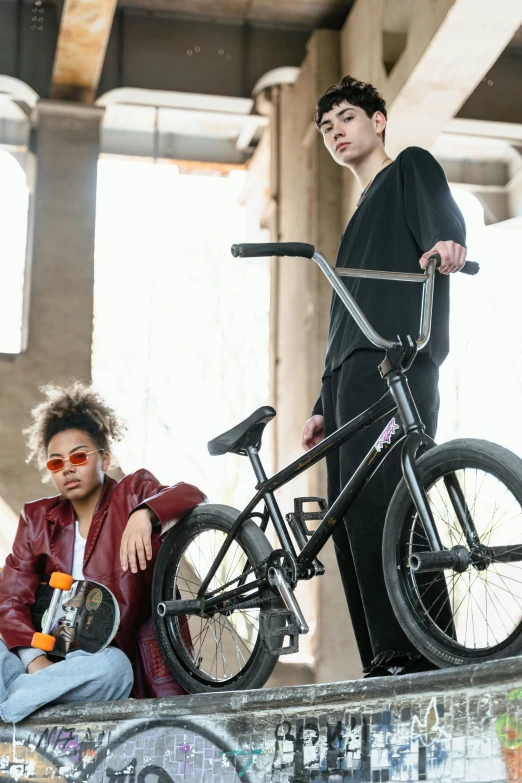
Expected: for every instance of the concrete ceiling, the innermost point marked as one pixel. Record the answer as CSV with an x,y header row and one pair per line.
x,y
306,13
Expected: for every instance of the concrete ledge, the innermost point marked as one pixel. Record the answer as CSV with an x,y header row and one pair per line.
x,y
459,724
497,673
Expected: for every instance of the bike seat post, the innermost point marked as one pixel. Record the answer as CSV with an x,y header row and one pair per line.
x,y
255,461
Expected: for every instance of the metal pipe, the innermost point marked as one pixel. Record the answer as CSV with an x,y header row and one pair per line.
x,y
400,390
255,461
276,577
403,277
427,306
227,542
338,509
462,512
216,597
418,493
385,406
350,303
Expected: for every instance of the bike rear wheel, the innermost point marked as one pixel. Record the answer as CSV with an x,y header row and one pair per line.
x,y
223,651
475,615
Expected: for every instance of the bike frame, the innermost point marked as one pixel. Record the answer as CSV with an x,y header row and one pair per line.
x,y
408,428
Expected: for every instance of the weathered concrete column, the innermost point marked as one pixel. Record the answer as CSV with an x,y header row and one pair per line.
x,y
308,204
60,284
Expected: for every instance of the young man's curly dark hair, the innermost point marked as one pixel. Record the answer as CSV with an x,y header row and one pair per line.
x,y
355,92
77,407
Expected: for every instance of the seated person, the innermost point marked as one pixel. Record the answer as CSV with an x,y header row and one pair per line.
x,y
95,528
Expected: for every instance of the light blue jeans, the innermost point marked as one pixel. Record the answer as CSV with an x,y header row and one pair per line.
x,y
80,677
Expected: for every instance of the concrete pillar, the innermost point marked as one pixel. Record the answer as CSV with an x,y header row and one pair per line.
x,y
412,59
59,285
308,198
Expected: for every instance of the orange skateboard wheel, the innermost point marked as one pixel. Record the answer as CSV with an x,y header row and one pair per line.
x,y
44,641
61,581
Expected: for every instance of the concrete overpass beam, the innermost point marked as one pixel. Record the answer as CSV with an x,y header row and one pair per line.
x,y
450,46
80,52
434,78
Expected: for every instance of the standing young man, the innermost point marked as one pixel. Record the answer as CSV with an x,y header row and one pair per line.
x,y
404,214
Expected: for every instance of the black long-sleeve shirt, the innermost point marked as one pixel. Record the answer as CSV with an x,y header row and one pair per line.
x,y
407,209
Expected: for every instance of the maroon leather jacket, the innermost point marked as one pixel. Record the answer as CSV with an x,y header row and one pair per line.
x,y
45,543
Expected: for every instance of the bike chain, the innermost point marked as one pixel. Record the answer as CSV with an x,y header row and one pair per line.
x,y
245,573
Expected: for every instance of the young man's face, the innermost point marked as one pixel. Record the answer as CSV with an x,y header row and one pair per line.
x,y
77,482
349,134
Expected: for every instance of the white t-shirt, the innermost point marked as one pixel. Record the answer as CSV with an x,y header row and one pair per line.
x,y
79,554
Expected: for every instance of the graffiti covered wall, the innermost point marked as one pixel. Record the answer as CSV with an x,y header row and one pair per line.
x,y
468,735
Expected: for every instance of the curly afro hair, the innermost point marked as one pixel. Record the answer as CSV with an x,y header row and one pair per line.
x,y
355,92
76,407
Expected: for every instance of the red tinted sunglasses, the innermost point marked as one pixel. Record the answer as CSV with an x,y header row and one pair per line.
x,y
78,458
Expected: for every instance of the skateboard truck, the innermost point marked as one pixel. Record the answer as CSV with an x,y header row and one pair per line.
x,y
61,583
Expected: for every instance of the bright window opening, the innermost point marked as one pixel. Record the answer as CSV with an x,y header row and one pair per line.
x,y
481,381
181,327
14,200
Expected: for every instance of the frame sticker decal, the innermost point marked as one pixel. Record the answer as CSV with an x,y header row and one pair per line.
x,y
386,435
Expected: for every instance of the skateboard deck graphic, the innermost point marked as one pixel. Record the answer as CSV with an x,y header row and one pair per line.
x,y
85,617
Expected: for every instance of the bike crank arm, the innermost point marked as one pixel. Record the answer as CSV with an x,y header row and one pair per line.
x,y
276,579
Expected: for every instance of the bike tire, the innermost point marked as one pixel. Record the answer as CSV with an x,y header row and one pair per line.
x,y
452,644
182,655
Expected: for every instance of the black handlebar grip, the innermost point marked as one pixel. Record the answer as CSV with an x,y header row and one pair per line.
x,y
469,268
257,250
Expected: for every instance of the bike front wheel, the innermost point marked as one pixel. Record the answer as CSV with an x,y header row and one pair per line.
x,y
224,650
460,617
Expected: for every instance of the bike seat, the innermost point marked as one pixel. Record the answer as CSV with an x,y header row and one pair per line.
x,y
248,433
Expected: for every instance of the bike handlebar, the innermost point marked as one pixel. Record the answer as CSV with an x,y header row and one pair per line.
x,y
304,250
250,250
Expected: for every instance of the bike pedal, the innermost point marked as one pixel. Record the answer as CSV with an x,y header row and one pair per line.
x,y
275,625
301,517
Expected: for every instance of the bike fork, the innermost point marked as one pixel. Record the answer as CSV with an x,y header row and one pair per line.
x,y
409,469
458,558
415,438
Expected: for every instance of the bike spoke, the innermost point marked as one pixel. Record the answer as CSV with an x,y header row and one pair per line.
x,y
484,606
221,645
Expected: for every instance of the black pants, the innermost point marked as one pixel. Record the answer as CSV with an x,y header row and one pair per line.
x,y
352,388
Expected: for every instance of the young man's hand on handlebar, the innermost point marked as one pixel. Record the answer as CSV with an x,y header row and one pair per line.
x,y
452,257
313,432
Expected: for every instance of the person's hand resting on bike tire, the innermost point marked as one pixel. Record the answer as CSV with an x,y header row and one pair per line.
x,y
313,432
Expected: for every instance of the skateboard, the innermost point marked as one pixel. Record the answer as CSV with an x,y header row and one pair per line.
x,y
82,615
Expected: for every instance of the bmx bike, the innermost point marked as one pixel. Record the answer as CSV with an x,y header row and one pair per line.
x,y
224,601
